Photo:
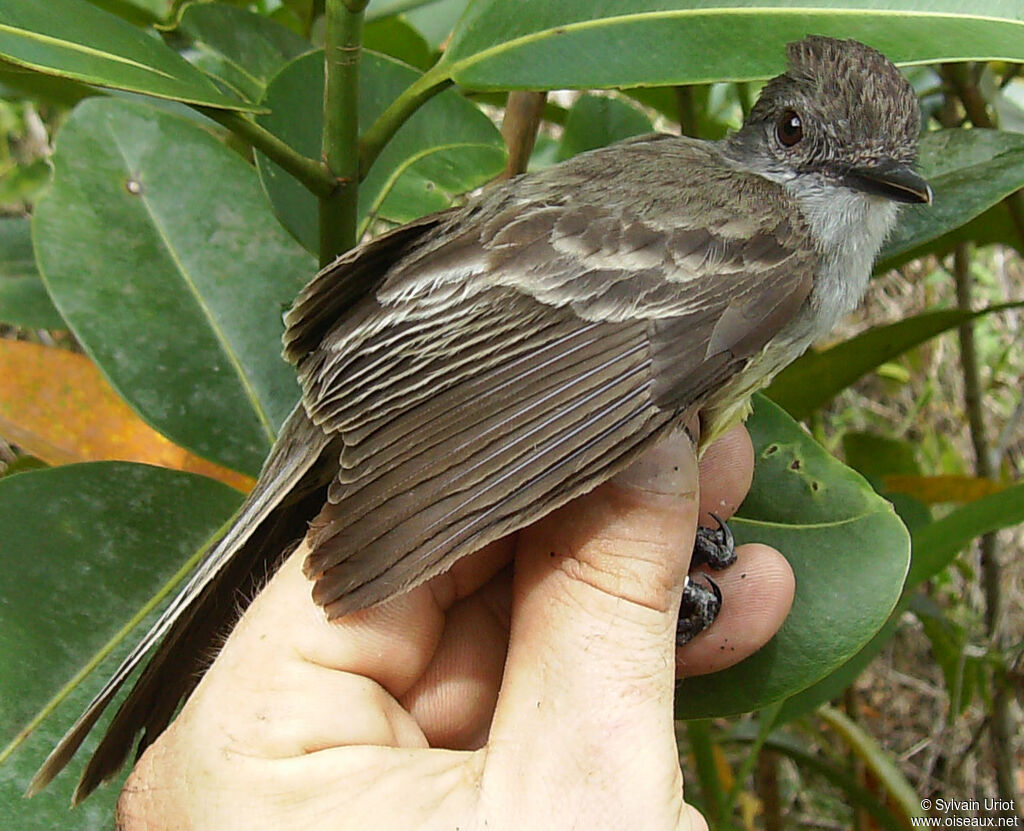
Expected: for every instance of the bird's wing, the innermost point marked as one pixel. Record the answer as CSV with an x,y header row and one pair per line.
x,y
522,355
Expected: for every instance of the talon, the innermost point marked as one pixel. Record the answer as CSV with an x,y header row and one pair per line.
x,y
728,541
714,587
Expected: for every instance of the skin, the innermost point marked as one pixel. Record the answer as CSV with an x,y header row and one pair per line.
x,y
477,700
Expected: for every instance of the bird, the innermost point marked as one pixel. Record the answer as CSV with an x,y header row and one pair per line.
x,y
465,374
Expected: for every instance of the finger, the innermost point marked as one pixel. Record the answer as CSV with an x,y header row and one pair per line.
x,y
758,592
282,703
726,471
589,679
391,643
454,700
284,650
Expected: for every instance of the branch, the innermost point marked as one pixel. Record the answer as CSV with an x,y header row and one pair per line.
x,y
380,132
313,174
340,143
523,113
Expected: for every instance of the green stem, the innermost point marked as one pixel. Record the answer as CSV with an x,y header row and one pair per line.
x,y
340,147
380,132
703,747
313,174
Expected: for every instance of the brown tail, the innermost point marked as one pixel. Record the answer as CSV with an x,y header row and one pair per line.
x,y
194,625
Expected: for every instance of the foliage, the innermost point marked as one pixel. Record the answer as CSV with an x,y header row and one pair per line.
x,y
193,185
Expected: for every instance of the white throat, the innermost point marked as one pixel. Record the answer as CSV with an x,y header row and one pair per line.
x,y
849,229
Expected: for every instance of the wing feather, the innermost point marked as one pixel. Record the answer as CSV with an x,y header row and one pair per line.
x,y
531,346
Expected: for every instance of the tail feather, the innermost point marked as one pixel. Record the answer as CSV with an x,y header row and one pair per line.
x,y
285,497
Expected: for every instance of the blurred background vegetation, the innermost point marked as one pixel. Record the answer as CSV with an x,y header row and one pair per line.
x,y
134,337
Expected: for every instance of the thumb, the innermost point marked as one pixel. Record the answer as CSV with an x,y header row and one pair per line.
x,y
588,687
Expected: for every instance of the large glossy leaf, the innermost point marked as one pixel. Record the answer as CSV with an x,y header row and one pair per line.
x,y
55,405
159,249
813,379
240,47
23,297
85,547
140,12
16,81
994,226
970,171
436,19
395,37
446,148
74,39
849,551
935,545
612,43
595,121
831,687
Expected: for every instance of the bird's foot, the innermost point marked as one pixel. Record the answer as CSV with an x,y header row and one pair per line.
x,y
698,610
714,547
701,604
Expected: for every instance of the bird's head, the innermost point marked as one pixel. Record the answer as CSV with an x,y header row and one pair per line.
x,y
841,115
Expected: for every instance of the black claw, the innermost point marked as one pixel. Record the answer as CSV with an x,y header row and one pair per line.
x,y
715,548
698,610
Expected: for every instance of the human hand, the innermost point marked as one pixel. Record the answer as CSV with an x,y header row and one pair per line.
x,y
476,700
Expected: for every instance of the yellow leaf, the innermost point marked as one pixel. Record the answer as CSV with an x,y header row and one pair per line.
x,y
56,405
948,488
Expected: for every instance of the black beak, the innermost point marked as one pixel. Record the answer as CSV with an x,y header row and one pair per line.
x,y
890,179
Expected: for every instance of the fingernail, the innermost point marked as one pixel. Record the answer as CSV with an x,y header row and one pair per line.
x,y
668,468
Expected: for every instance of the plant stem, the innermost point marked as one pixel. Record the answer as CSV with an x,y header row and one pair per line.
x,y
1001,724
380,132
523,113
342,52
703,747
313,174
686,110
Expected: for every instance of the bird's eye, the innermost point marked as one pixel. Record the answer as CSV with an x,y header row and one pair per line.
x,y
789,129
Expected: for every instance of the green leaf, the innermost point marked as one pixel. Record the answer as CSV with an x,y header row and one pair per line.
x,y
90,545
395,37
848,549
23,298
242,48
936,545
537,44
74,39
139,12
813,379
970,171
831,686
434,20
446,148
994,226
874,455
383,9
159,249
716,107
595,121
16,82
